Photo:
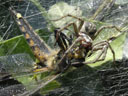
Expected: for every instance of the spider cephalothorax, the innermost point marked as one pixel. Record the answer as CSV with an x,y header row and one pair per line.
x,y
85,41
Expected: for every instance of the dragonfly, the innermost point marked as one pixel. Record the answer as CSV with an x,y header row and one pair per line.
x,y
36,44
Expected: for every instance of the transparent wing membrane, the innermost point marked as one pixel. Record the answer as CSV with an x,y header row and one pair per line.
x,y
17,63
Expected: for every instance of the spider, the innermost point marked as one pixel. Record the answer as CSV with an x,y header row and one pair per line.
x,y
85,39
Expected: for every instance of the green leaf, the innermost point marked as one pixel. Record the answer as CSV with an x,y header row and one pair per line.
x,y
15,45
16,56
61,9
51,86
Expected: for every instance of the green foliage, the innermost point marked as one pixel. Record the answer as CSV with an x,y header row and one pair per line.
x,y
15,45
74,76
61,9
51,86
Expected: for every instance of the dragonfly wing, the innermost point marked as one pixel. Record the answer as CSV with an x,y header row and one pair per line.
x,y
16,63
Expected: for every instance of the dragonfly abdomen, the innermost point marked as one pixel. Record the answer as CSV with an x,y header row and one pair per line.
x,y
38,46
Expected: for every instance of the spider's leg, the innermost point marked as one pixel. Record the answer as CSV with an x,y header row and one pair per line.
x,y
97,58
103,46
68,15
111,51
104,53
80,26
89,62
105,27
68,25
107,45
60,30
96,47
110,40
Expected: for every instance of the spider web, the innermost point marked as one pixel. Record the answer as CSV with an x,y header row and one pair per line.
x,y
103,80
